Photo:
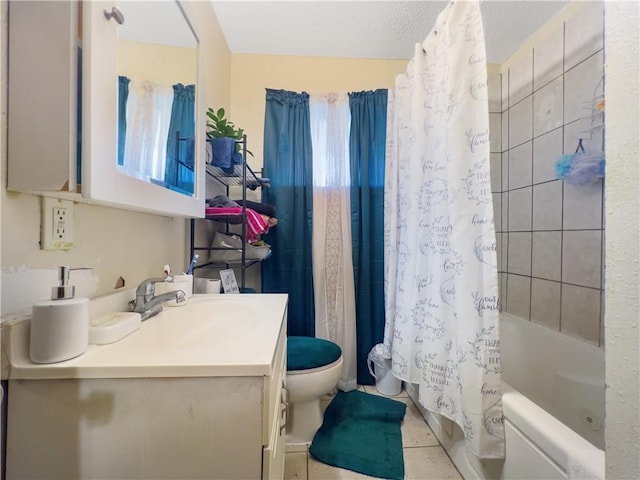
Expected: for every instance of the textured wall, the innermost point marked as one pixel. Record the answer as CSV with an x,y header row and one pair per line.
x,y
622,434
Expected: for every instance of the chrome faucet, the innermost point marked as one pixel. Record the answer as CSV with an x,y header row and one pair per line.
x,y
147,304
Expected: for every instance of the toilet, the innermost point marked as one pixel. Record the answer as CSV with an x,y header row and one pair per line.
x,y
314,367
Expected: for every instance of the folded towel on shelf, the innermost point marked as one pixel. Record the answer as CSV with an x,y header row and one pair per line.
x,y
222,201
258,182
256,225
263,208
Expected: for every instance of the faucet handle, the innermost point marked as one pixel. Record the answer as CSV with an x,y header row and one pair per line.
x,y
181,296
148,285
150,288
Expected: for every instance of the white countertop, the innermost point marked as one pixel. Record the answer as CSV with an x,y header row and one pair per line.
x,y
210,336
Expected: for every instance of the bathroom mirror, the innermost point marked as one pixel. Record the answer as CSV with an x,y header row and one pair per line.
x,y
156,48
157,68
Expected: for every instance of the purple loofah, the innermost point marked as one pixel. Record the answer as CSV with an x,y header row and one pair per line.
x,y
586,168
580,168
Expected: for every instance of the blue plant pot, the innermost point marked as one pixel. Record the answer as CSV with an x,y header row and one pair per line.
x,y
222,150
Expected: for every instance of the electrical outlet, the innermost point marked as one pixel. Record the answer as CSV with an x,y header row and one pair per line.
x,y
56,230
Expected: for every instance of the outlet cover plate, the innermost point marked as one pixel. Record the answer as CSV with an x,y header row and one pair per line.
x,y
56,226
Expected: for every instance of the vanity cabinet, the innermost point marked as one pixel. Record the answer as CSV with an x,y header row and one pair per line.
x,y
62,117
186,418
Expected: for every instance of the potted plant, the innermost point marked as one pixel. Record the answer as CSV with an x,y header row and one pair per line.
x,y
225,138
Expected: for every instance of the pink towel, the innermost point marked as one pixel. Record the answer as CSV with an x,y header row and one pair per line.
x,y
256,224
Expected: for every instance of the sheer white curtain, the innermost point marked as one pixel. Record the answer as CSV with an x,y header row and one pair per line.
x,y
148,116
332,265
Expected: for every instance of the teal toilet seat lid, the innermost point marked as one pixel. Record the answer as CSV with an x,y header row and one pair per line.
x,y
304,353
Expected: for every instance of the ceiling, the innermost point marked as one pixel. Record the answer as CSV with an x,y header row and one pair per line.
x,y
158,22
367,29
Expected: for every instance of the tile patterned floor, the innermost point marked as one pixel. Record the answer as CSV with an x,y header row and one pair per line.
x,y
424,458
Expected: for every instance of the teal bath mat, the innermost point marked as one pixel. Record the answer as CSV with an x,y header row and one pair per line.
x,y
361,432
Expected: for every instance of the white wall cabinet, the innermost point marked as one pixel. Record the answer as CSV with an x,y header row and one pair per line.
x,y
52,45
43,77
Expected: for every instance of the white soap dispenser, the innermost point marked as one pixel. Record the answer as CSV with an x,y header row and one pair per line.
x,y
60,326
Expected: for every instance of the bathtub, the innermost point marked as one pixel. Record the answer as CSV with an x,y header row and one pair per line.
x,y
553,400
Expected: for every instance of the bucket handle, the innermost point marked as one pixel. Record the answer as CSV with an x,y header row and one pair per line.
x,y
369,363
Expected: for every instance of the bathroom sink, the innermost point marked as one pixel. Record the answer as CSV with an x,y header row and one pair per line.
x,y
204,321
208,336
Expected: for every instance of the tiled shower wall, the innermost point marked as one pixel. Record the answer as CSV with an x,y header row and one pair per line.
x,y
550,234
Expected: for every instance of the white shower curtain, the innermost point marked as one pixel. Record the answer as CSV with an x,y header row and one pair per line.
x,y
440,252
333,284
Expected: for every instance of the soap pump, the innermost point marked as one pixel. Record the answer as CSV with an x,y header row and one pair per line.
x,y
60,326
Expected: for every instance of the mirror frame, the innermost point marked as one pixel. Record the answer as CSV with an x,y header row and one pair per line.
x,y
101,180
